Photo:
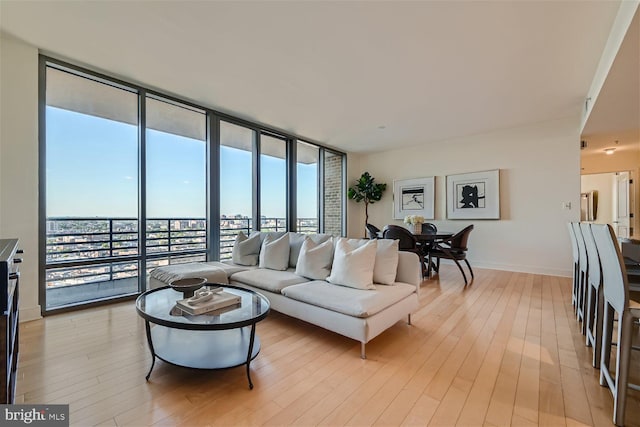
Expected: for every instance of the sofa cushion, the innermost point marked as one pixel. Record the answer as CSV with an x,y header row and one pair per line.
x,y
315,259
274,253
270,280
386,266
349,301
297,239
246,249
229,267
210,271
353,265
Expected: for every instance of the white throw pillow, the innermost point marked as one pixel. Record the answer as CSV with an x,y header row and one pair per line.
x,y
315,259
297,239
274,254
263,234
295,244
352,265
386,267
245,249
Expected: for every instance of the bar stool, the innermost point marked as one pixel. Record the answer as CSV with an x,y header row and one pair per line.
x,y
576,260
616,299
594,300
583,270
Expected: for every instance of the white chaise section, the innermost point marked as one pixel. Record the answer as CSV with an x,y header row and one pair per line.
x,y
349,301
164,275
214,272
400,304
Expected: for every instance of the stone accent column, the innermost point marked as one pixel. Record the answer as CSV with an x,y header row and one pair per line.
x,y
333,197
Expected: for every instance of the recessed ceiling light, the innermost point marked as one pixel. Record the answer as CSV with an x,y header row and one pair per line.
x,y
609,151
382,127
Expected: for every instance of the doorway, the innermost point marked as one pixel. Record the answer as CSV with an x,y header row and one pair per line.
x,y
607,198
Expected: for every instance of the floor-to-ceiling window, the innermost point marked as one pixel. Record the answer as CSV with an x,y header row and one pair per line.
x,y
307,187
273,183
133,179
91,190
176,185
236,184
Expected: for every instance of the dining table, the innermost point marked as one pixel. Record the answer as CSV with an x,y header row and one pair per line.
x,y
432,236
631,254
427,240
630,249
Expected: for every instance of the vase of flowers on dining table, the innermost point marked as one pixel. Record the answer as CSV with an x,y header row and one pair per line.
x,y
416,221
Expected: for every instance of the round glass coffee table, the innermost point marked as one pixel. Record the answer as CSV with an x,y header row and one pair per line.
x,y
219,339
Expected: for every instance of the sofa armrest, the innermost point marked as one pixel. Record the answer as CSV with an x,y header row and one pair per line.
x,y
409,269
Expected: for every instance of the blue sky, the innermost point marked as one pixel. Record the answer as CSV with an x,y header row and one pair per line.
x,y
92,170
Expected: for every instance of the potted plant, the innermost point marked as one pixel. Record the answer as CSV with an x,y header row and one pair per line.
x,y
368,191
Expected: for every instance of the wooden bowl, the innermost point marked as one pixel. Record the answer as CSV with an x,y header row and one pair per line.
x,y
188,286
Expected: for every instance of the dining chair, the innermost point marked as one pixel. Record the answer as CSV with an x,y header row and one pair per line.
x,y
428,227
576,271
594,299
373,231
583,269
454,248
406,242
616,300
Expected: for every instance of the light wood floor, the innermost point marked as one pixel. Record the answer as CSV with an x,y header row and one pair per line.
x,y
505,351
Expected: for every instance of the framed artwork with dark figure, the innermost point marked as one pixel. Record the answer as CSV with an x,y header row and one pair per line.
x,y
474,195
414,197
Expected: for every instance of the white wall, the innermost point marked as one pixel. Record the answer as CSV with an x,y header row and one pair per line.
x,y
19,161
539,169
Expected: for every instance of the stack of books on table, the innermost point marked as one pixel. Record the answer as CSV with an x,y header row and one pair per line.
x,y
219,300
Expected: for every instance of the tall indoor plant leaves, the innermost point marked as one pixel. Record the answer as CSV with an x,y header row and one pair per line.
x,y
368,191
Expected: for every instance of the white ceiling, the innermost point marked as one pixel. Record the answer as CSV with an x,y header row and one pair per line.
x,y
337,72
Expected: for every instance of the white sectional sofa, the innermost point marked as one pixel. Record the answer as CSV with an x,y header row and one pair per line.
x,y
359,308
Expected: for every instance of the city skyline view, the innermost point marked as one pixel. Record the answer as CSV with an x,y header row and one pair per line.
x,y
92,171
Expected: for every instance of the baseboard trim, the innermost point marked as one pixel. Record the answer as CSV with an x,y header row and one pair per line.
x,y
517,268
30,313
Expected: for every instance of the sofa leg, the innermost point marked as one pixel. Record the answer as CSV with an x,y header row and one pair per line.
x,y
409,319
363,354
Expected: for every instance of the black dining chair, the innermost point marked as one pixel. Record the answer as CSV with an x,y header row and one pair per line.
x,y
373,231
426,246
455,249
428,227
406,242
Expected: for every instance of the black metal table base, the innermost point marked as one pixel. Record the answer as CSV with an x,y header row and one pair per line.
x,y
219,349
